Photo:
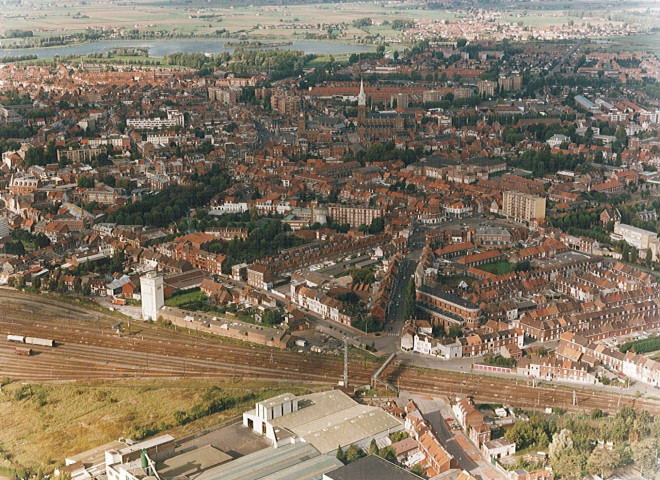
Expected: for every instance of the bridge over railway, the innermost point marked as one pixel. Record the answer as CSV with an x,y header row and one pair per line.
x,y
375,378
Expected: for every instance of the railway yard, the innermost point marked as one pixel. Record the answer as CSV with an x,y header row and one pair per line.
x,y
87,348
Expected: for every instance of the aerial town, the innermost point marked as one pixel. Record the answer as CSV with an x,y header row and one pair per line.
x,y
437,258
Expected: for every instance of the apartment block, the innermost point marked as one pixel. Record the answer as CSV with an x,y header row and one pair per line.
x,y
523,206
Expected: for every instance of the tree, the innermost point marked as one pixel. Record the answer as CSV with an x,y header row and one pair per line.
x,y
602,461
645,454
649,257
377,226
373,448
625,252
388,453
417,469
271,317
561,442
41,241
117,261
633,254
109,180
354,454
86,182
341,456
621,135
410,306
569,465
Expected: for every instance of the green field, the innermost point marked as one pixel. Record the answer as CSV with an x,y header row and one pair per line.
x,y
186,298
41,424
500,268
454,280
636,43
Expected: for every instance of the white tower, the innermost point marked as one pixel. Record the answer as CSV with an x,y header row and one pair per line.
x,y
153,297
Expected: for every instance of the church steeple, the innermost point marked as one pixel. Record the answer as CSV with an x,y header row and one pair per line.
x,y
362,97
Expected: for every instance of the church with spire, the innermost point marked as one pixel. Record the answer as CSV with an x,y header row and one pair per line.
x,y
380,124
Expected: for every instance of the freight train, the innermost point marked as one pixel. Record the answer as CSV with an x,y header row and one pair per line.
x,y
44,342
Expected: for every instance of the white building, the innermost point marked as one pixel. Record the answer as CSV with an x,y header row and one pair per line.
x,y
498,448
4,227
153,296
325,420
636,237
174,119
229,207
557,139
425,344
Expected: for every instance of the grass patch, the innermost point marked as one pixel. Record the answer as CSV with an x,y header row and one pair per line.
x,y
454,280
186,299
499,268
43,423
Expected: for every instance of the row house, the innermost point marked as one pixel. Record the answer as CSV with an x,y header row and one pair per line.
x,y
101,194
573,346
448,309
636,367
382,300
481,258
491,343
436,457
321,304
471,420
542,330
642,369
552,368
333,247
227,233
574,289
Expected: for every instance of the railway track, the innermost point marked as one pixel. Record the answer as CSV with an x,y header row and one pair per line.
x,y
88,349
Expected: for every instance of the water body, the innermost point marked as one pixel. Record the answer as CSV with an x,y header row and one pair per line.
x,y
160,48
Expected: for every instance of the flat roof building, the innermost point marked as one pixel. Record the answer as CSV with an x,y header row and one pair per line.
x,y
299,461
370,467
191,464
324,420
523,206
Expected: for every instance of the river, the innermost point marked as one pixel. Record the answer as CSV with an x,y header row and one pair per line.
x,y
160,48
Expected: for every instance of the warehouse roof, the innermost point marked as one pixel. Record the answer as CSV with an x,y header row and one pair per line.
x,y
332,418
280,399
191,463
371,467
299,461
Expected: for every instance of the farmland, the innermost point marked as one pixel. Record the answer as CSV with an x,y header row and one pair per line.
x,y
153,20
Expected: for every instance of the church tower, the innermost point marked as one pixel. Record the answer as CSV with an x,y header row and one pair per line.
x,y
362,105
302,125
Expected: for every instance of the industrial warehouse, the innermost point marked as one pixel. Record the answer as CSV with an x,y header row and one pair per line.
x,y
325,420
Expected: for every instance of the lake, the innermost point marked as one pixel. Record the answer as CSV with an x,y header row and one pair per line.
x,y
160,48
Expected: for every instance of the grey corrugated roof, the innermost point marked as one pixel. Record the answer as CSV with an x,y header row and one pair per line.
x,y
371,468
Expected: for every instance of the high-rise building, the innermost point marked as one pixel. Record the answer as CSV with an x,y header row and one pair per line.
x,y
153,296
486,88
523,206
